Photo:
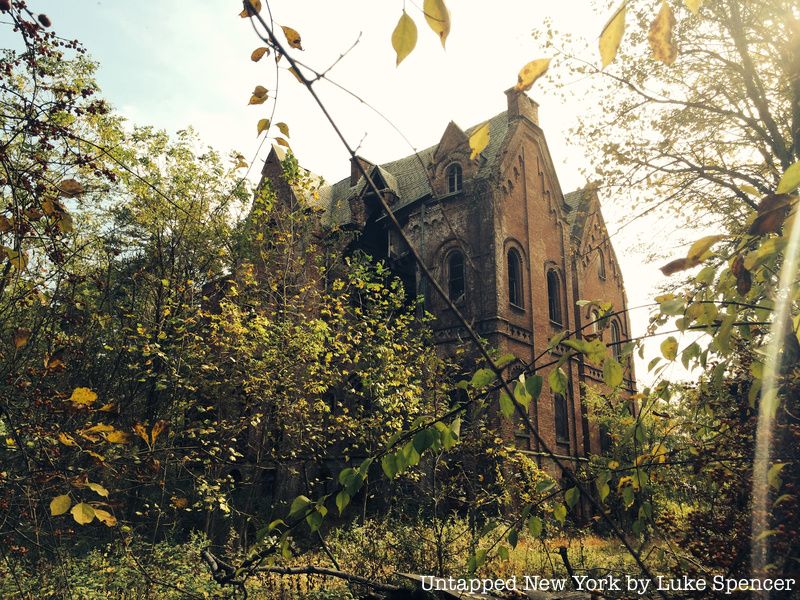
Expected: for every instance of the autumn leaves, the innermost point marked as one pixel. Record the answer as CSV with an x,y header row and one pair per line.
x,y
404,36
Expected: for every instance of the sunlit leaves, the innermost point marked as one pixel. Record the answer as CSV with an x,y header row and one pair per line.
x,y
66,439
611,36
571,496
259,95
82,513
660,35
669,348
612,372
535,526
560,513
693,5
118,437
82,396
506,405
697,253
259,53
105,517
404,37
292,37
283,128
99,489
479,140
790,180
530,73
438,17
59,505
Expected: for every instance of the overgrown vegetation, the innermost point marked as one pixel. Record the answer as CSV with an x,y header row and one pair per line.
x,y
200,385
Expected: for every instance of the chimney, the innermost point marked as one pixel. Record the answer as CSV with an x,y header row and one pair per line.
x,y
354,172
520,105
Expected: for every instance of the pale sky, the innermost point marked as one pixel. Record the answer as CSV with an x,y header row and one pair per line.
x,y
175,63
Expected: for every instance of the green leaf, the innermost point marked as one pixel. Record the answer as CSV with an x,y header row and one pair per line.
x,y
612,372
774,476
628,496
557,380
423,440
571,496
521,394
342,500
506,405
560,513
505,360
59,505
533,384
298,505
790,179
502,552
315,518
482,378
669,348
535,526
513,538
389,465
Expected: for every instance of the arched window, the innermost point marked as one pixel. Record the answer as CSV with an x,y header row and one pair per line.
x,y
554,297
616,339
454,178
594,318
456,279
562,420
601,265
515,278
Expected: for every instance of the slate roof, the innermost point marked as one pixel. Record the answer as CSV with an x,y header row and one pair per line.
x,y
408,178
577,204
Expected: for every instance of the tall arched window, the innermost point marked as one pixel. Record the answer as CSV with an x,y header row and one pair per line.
x,y
515,278
456,278
554,297
616,339
601,265
562,419
454,178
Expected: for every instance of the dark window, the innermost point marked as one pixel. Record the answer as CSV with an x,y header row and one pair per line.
x,y
562,420
515,278
554,297
616,339
455,275
454,178
601,265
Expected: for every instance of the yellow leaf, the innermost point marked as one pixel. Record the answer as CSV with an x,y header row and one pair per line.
x,y
59,505
259,95
65,223
96,455
18,260
106,517
283,128
141,431
82,396
282,142
70,188
55,360
118,437
404,37
99,428
660,35
701,246
530,73
438,18
611,36
21,337
694,5
259,53
82,513
179,502
479,140
292,37
263,125
790,180
106,407
66,439
256,7
157,430
96,487
294,72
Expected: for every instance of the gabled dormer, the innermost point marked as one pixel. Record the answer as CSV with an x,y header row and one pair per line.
x,y
450,165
